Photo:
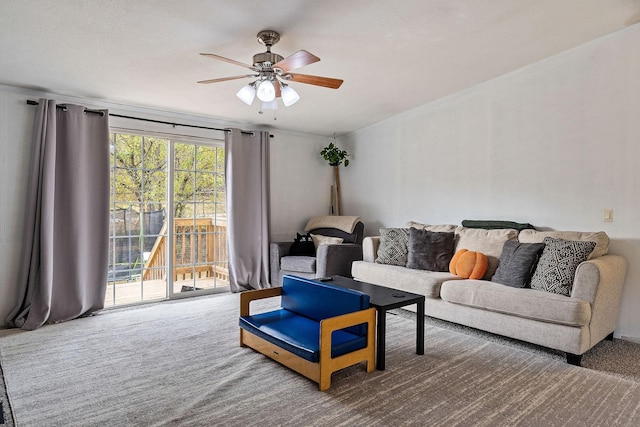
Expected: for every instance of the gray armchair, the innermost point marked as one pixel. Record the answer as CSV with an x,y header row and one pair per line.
x,y
329,260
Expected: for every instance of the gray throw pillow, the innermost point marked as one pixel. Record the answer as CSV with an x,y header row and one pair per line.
x,y
430,250
393,246
517,262
558,263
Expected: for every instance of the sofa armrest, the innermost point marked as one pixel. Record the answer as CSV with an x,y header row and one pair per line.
x,y
332,260
276,251
247,296
370,248
600,281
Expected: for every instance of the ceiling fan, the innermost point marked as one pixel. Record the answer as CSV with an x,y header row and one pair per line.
x,y
271,71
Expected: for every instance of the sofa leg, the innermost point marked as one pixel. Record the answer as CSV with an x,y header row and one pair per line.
x,y
609,337
574,359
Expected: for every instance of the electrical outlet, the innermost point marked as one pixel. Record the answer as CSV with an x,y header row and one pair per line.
x,y
607,215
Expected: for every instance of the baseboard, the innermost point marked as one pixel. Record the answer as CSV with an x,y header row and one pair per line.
x,y
632,339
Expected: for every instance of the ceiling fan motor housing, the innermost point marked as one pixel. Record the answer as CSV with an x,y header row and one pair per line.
x,y
266,59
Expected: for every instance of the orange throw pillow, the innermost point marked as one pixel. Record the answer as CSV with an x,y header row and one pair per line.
x,y
468,264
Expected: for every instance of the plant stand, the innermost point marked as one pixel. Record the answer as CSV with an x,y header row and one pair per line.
x,y
336,179
336,203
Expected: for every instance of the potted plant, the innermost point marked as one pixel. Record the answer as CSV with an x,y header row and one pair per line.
x,y
335,156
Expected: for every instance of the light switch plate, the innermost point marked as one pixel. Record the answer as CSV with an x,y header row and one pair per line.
x,y
607,215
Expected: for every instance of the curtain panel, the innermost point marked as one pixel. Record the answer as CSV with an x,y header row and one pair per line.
x,y
66,232
247,188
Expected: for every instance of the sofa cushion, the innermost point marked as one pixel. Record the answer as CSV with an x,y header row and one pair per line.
x,y
429,250
526,303
421,282
393,247
599,237
488,242
517,262
440,228
558,263
299,264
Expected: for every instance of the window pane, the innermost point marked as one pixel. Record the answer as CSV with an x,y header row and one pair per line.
x,y
155,153
184,157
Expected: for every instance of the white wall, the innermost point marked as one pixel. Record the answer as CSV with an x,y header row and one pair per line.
x,y
299,178
300,183
552,144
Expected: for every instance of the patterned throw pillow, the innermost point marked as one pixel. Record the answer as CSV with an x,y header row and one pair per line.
x,y
393,246
558,263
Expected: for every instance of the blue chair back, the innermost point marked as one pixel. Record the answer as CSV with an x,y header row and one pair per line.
x,y
317,300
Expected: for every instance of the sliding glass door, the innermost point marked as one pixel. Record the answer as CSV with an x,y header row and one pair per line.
x,y
168,219
200,221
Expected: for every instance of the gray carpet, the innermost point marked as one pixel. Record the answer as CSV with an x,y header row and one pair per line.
x,y
179,363
5,413
618,357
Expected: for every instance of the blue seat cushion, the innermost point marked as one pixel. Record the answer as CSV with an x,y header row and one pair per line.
x,y
298,334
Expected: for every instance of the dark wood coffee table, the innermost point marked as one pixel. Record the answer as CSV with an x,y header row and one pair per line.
x,y
384,299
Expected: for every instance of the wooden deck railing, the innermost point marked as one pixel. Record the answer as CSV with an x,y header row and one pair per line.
x,y
199,250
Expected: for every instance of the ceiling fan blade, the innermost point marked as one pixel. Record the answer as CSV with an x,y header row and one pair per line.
x,y
224,79
278,90
230,61
296,60
315,80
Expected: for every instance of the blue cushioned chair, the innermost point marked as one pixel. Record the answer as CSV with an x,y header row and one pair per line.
x,y
318,329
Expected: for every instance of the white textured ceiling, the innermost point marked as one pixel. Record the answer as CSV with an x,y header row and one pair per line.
x,y
392,55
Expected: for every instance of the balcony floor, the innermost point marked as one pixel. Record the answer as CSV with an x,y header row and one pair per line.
x,y
155,290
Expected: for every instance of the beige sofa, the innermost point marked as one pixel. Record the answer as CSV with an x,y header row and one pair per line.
x,y
572,324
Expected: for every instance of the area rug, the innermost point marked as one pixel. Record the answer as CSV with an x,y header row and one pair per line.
x,y
179,364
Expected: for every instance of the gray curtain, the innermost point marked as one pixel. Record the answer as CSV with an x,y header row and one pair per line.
x,y
247,187
66,232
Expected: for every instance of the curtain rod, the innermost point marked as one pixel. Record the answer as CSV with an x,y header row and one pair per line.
x,y
86,110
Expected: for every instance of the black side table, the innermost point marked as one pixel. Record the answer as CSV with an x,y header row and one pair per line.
x,y
384,299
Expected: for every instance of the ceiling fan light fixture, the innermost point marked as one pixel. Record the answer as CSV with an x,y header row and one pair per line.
x,y
271,105
247,93
289,95
266,92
